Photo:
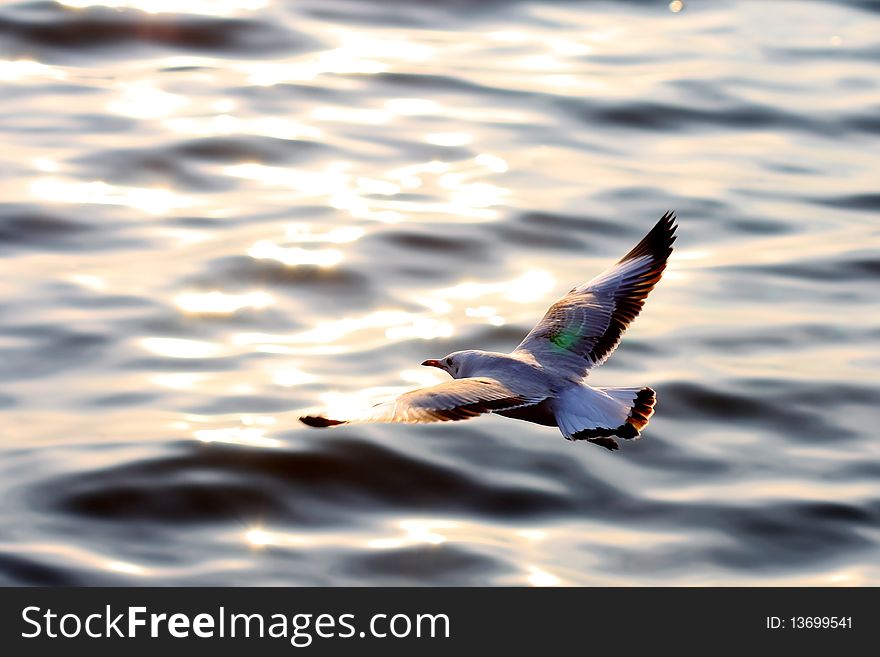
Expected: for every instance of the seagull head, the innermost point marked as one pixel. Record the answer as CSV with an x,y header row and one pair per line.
x,y
447,364
455,363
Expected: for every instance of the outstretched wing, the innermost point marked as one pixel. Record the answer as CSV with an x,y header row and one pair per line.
x,y
460,399
582,329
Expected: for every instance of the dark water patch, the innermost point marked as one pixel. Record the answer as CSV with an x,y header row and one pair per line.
x,y
866,202
249,148
419,272
28,226
95,29
427,257
170,502
789,168
639,347
853,269
663,117
7,401
867,123
704,91
836,511
826,54
122,399
786,535
760,227
771,537
869,6
50,350
73,296
150,168
22,93
18,570
40,126
753,339
429,565
432,242
745,342
375,15
172,321
563,224
654,450
860,470
247,271
325,485
434,82
821,395
792,421
538,239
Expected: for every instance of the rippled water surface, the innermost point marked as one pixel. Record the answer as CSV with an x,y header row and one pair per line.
x,y
218,215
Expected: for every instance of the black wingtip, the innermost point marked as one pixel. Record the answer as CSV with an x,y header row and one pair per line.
x,y
658,242
319,422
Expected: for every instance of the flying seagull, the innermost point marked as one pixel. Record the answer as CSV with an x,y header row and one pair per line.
x,y
543,379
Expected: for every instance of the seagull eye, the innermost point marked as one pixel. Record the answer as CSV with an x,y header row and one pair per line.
x,y
449,361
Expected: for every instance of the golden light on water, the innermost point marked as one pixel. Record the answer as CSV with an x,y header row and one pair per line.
x,y
153,201
375,186
127,568
485,312
413,106
451,189
258,537
143,100
359,333
182,348
289,377
335,330
531,286
448,138
415,532
540,577
220,303
208,7
294,256
245,436
88,281
46,165
491,162
351,405
23,69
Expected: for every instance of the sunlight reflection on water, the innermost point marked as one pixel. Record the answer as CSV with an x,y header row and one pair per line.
x,y
219,214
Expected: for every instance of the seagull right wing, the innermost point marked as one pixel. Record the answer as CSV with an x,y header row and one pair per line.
x,y
582,329
460,399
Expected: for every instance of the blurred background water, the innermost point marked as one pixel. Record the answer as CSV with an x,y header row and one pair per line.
x,y
218,214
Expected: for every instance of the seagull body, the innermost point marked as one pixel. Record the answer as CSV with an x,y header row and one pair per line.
x,y
543,380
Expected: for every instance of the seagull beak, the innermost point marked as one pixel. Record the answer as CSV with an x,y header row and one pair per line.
x,y
431,362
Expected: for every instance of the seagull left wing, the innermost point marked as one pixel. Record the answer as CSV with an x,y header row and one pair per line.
x,y
460,399
584,327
